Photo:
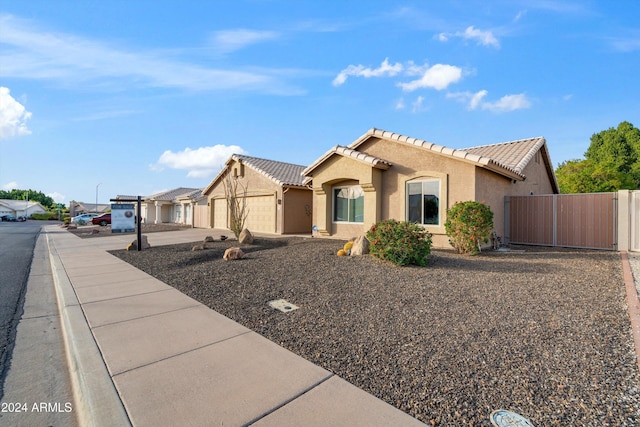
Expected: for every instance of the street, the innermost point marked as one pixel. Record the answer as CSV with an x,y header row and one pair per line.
x,y
17,241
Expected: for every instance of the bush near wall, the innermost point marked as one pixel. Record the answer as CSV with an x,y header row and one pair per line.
x,y
45,216
399,242
468,224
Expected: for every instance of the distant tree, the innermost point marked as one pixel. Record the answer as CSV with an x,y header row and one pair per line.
x,y
612,162
36,196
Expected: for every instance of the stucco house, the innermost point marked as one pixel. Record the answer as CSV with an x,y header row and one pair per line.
x,y
176,206
20,207
384,175
276,199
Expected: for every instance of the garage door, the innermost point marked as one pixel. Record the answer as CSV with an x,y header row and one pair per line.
x,y
261,213
220,213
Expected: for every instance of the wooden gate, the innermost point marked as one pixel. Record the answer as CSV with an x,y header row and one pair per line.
x,y
570,220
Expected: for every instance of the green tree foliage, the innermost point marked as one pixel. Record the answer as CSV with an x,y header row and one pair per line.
x,y
36,196
612,162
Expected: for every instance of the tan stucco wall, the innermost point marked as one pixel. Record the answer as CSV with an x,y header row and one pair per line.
x,y
257,185
460,181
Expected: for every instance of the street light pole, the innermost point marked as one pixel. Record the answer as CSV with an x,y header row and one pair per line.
x,y
97,197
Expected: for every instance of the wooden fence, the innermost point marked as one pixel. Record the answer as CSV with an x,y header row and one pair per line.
x,y
569,220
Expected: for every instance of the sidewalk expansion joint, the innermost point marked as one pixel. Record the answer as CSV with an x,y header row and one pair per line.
x,y
141,317
123,296
286,402
182,353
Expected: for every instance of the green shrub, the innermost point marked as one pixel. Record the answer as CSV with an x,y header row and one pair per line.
x,y
399,242
44,216
468,224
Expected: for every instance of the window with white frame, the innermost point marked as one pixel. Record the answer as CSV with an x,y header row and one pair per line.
x,y
423,201
348,204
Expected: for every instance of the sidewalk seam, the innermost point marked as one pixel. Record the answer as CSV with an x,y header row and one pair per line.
x,y
182,353
94,392
286,402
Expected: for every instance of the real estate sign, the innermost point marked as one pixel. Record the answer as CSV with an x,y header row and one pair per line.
x,y
123,218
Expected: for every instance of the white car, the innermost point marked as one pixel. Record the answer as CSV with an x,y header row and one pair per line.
x,y
83,218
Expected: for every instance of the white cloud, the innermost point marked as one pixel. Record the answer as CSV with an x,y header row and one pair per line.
x,y
484,38
508,103
416,105
436,77
31,53
13,116
505,104
232,40
385,69
400,104
202,162
10,186
57,197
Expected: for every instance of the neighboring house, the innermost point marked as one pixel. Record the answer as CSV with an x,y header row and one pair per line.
x,y
20,207
176,206
276,199
77,208
384,175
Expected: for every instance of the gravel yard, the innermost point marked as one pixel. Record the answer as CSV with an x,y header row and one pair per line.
x,y
544,332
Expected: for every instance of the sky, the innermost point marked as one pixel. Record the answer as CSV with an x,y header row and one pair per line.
x,y
134,97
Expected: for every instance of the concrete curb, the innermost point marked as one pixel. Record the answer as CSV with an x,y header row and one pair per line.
x,y
633,303
97,401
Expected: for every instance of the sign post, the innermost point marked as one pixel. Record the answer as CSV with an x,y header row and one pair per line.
x,y
126,219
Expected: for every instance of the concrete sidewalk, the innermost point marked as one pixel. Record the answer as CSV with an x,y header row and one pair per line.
x,y
144,354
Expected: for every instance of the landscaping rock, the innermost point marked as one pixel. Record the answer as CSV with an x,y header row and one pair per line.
x,y
145,243
199,247
233,254
245,237
360,246
208,239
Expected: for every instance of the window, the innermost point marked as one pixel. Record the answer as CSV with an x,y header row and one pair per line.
x,y
423,201
348,204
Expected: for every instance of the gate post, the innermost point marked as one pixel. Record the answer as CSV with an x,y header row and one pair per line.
x,y
507,220
624,220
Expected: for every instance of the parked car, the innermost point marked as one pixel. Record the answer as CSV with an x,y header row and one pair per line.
x,y
102,220
8,217
84,218
21,218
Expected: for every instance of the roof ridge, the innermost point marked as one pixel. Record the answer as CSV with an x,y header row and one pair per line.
x,y
502,143
267,160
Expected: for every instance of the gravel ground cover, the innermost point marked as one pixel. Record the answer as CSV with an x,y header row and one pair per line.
x,y
544,332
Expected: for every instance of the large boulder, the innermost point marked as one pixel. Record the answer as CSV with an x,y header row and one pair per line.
x,y
245,237
360,246
233,254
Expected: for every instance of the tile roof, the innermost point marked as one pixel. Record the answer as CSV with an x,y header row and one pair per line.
x,y
347,152
514,155
172,194
508,158
280,172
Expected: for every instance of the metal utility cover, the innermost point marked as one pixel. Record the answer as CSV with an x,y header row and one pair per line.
x,y
282,305
504,418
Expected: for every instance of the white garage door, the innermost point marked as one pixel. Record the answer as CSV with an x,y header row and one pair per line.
x,y
261,213
220,213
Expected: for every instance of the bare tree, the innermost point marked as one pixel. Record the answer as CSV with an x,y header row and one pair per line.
x,y
236,195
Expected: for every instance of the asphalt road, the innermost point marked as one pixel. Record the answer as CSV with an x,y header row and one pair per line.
x,y
17,242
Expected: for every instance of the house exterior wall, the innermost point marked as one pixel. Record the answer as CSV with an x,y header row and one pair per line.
x,y
385,191
288,210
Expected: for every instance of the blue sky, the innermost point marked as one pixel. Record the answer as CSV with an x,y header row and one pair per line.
x,y
139,96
